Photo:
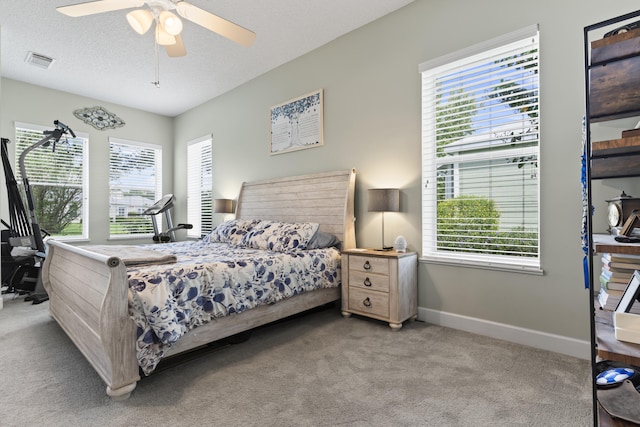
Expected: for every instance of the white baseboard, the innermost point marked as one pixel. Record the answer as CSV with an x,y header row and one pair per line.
x,y
542,340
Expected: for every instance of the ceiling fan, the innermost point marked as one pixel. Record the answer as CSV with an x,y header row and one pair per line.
x,y
168,25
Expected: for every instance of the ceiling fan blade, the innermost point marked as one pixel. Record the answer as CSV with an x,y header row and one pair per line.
x,y
100,6
228,29
177,49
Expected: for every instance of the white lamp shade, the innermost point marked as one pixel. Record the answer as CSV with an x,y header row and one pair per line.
x,y
140,20
170,22
163,38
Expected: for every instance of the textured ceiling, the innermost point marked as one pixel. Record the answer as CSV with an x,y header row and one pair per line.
x,y
101,57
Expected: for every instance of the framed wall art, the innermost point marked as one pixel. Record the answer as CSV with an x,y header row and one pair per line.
x,y
297,124
630,295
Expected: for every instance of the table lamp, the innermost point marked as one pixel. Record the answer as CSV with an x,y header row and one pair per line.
x,y
384,200
223,206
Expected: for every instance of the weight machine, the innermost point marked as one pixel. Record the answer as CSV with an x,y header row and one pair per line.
x,y
22,273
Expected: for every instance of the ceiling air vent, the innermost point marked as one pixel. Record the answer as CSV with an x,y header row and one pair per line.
x,y
39,60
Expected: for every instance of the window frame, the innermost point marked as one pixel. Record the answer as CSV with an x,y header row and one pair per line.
x,y
195,212
430,160
157,190
84,235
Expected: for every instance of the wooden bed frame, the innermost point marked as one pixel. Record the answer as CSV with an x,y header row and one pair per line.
x,y
89,293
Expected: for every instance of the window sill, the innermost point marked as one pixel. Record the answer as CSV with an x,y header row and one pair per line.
x,y
484,265
132,237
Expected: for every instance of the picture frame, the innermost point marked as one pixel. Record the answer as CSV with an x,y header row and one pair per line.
x,y
297,124
630,223
630,295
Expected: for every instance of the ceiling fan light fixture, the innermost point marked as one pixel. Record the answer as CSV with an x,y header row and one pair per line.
x,y
163,38
170,22
140,20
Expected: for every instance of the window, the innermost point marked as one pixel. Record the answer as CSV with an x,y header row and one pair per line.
x,y
480,145
135,183
199,186
58,179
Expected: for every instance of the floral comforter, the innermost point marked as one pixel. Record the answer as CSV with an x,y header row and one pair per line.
x,y
211,280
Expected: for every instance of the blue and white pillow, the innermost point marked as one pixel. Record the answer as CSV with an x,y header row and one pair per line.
x,y
280,236
231,231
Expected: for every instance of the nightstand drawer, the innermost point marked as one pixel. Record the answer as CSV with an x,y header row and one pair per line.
x,y
376,282
369,302
369,264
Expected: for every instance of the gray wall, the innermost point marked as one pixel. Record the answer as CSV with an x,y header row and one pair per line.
x,y
372,123
21,102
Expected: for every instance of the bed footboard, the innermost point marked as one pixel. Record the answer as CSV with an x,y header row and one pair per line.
x,y
88,298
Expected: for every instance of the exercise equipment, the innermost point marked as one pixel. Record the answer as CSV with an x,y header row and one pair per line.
x,y
163,206
23,232
19,271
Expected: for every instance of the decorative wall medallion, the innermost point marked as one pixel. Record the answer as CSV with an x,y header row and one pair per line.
x,y
99,118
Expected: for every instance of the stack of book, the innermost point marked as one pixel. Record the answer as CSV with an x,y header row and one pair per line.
x,y
617,270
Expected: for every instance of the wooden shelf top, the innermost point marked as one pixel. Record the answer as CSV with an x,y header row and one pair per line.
x,y
616,147
605,243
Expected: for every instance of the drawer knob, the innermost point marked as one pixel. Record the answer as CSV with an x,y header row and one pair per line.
x,y
366,265
367,282
366,302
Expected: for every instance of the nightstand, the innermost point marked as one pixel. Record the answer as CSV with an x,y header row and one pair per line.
x,y
380,284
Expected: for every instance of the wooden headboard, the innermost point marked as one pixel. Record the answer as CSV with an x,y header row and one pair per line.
x,y
326,198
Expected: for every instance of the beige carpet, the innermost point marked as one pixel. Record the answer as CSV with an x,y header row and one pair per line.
x,y
316,370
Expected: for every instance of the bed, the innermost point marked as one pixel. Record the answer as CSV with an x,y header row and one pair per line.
x,y
94,292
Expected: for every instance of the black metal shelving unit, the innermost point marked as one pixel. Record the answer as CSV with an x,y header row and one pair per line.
x,y
589,31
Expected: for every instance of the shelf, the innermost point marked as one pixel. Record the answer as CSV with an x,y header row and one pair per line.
x,y
609,347
612,77
610,117
605,243
606,420
615,147
618,406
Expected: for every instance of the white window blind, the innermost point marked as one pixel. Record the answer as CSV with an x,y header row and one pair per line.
x,y
199,186
135,183
58,179
480,145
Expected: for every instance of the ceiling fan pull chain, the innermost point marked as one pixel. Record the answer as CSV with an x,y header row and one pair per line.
x,y
156,83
